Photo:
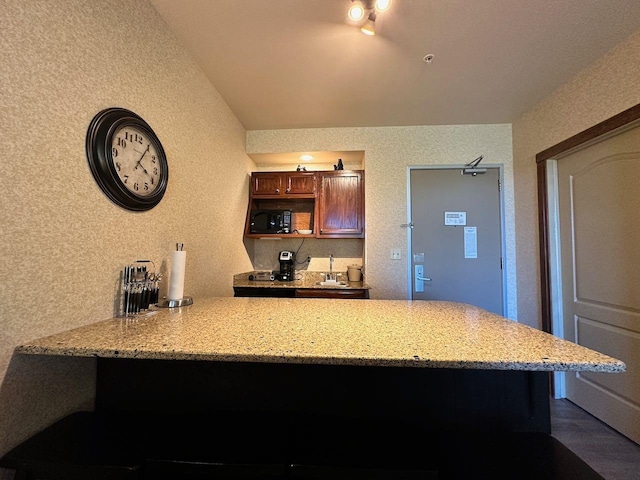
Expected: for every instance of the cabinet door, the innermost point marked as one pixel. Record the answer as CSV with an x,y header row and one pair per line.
x,y
266,183
331,293
341,204
300,183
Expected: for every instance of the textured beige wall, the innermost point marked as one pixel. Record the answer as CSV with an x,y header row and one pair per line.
x,y
607,87
64,243
388,153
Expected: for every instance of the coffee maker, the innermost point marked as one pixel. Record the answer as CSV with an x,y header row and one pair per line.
x,y
287,262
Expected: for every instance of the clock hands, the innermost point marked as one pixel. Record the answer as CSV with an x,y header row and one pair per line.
x,y
140,164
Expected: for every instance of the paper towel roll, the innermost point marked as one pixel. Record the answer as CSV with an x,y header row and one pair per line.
x,y
176,280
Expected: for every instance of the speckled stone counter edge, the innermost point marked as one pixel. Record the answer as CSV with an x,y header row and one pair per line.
x,y
319,331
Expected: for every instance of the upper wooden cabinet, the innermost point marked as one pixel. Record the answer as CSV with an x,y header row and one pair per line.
x,y
341,204
267,183
330,203
283,183
300,183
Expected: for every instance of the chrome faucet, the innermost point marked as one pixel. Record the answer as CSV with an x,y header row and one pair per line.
x,y
330,276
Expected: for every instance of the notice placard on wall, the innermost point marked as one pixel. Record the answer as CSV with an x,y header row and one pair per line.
x,y
455,218
470,242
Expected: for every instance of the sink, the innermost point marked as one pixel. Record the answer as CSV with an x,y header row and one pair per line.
x,y
332,283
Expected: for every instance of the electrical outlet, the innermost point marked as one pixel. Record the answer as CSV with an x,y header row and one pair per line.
x,y
396,254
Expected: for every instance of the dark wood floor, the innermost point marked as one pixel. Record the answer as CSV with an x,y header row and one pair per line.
x,y
611,454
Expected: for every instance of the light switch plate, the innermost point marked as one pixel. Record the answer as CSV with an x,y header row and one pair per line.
x,y
396,254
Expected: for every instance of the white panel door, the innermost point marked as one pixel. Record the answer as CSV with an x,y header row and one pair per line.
x,y
599,202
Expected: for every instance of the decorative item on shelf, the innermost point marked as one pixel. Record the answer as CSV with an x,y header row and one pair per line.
x,y
339,166
140,287
175,297
301,169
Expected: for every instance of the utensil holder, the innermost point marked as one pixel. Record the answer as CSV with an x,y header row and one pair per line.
x,y
140,287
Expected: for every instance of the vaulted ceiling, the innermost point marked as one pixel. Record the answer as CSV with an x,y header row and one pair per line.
x,y
300,63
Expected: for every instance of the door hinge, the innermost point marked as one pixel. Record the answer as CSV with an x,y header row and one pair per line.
x,y
501,263
499,185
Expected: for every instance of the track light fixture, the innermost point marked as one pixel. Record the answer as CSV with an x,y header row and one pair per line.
x,y
359,9
369,27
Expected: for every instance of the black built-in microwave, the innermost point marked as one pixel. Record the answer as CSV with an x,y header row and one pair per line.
x,y
270,221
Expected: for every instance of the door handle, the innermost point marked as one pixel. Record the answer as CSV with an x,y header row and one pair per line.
x,y
419,278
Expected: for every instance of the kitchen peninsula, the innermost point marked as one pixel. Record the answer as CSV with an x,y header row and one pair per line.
x,y
313,389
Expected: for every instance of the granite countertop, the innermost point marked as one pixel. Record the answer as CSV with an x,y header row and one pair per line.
x,y
319,331
303,280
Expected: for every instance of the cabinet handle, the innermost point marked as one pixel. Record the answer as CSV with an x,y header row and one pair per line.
x,y
277,190
288,190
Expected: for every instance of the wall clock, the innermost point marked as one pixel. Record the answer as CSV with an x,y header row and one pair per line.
x,y
127,159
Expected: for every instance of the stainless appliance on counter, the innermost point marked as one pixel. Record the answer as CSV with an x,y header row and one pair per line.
x,y
262,277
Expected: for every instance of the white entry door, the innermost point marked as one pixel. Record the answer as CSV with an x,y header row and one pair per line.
x,y
599,208
456,239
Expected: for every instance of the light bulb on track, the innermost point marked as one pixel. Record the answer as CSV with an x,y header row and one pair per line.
x,y
356,12
382,5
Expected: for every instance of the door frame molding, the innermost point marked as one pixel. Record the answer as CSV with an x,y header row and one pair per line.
x,y
545,160
503,233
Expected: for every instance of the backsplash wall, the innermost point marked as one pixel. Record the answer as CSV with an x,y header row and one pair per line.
x,y
345,251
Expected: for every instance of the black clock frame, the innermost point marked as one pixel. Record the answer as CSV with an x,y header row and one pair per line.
x,y
100,157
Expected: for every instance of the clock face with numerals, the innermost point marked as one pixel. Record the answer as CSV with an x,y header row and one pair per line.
x,y
127,159
136,160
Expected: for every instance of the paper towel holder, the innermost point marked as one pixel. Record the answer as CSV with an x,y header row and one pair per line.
x,y
179,302
166,303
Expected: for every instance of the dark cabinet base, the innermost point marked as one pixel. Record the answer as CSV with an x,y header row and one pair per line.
x,y
223,420
110,447
301,292
423,399
360,293
274,292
